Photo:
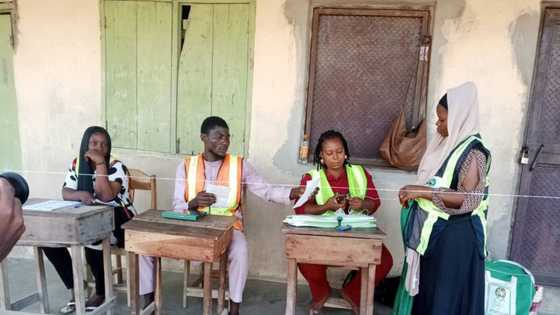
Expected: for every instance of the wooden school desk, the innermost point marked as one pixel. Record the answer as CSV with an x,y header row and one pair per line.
x,y
205,240
74,227
357,248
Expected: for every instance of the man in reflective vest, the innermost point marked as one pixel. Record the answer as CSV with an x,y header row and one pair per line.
x,y
216,167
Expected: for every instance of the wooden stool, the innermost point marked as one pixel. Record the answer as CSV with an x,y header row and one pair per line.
x,y
196,289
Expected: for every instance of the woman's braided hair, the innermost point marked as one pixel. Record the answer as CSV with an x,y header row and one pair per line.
x,y
329,135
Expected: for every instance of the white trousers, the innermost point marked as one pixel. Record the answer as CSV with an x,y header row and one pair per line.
x,y
238,259
146,274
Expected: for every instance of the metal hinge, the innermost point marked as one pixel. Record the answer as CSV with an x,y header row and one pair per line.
x,y
178,145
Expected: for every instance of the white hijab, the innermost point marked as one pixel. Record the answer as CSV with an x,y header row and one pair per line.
x,y
462,122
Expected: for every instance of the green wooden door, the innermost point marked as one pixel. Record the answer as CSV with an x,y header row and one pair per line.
x,y
213,73
138,74
10,156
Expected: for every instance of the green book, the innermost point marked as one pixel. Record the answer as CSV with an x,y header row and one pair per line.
x,y
179,216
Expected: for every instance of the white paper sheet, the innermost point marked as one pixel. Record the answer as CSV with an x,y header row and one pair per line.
x,y
110,203
221,193
51,205
310,187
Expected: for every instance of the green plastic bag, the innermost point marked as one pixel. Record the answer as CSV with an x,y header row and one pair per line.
x,y
403,301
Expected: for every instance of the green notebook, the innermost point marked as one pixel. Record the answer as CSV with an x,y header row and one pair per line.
x,y
179,216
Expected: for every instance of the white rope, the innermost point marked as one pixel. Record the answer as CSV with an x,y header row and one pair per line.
x,y
291,185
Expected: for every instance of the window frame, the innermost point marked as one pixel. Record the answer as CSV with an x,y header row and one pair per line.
x,y
9,7
422,76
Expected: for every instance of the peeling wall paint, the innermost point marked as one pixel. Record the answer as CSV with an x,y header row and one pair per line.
x,y
58,80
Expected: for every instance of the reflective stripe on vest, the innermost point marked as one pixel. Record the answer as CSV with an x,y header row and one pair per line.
x,y
228,175
434,213
357,185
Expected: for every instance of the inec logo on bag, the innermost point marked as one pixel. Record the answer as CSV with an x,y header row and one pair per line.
x,y
500,300
500,296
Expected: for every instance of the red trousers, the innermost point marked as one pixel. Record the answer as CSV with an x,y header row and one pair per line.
x,y
316,276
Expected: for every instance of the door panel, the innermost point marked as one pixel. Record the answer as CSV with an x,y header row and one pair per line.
x,y
213,73
535,240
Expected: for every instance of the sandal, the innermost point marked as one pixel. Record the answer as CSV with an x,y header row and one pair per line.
x,y
315,307
70,307
94,302
355,308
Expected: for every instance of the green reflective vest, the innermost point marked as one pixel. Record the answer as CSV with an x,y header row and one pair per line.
x,y
357,185
447,177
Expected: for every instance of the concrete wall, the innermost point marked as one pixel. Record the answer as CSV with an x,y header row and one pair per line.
x,y
58,79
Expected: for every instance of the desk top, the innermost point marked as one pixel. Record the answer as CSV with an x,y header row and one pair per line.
x,y
66,226
370,233
209,227
214,222
72,212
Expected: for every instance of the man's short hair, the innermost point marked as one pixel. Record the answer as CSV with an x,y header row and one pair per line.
x,y
212,122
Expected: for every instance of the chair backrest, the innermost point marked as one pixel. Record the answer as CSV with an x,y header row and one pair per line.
x,y
139,180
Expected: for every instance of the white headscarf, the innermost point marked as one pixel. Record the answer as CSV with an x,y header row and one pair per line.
x,y
462,122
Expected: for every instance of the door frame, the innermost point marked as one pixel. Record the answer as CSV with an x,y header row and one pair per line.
x,y
530,143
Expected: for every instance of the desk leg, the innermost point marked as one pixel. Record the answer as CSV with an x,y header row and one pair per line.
x,y
134,284
207,299
186,274
41,280
363,291
5,301
78,271
158,285
370,288
292,287
108,270
222,288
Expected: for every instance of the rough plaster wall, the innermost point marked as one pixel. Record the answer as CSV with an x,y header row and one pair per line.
x,y
57,71
490,43
58,79
493,44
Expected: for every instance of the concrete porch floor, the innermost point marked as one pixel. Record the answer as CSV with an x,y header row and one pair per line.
x,y
261,297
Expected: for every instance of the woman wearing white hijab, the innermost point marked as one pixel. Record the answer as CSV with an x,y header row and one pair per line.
x,y
444,227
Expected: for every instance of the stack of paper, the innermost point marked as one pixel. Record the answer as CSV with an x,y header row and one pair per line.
x,y
51,205
356,221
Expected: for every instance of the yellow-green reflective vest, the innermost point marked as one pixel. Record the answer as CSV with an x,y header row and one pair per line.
x,y
357,185
445,178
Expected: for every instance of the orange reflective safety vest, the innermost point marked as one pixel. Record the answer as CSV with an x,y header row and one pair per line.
x,y
229,174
